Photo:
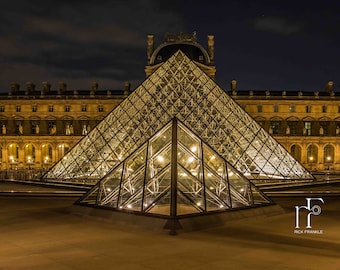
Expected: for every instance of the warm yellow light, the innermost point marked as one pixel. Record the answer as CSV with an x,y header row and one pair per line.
x,y
329,158
190,159
311,158
160,158
193,149
212,157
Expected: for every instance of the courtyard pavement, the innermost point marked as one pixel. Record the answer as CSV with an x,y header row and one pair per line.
x,y
40,233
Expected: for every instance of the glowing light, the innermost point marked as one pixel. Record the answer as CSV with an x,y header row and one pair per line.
x,y
211,188
198,204
160,158
108,189
329,158
193,149
212,157
191,159
242,189
311,158
230,174
209,174
221,206
129,206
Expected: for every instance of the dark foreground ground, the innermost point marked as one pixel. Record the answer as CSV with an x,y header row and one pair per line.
x,y
39,233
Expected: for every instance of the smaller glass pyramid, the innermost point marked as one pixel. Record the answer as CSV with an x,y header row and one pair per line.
x,y
174,174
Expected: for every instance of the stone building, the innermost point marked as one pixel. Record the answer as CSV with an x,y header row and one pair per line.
x,y
40,124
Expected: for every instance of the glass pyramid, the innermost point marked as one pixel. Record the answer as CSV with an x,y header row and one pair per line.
x,y
174,174
178,89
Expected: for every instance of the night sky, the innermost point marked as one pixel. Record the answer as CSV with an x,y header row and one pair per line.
x,y
275,45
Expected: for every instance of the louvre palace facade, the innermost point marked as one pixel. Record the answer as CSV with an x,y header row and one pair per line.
x,y
39,124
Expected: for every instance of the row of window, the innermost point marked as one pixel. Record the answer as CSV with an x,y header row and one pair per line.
x,y
308,128
49,127
292,108
30,154
312,153
67,108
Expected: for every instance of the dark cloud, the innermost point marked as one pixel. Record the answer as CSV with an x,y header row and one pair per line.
x,y
82,39
276,25
262,44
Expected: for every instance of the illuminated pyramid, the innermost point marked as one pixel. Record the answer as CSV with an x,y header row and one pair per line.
x,y
174,174
178,89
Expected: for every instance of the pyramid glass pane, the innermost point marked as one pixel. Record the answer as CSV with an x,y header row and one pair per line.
x,y
109,188
157,189
178,88
190,192
145,180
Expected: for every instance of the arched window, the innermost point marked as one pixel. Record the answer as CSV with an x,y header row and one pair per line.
x,y
312,154
328,154
29,154
62,150
46,154
295,151
13,154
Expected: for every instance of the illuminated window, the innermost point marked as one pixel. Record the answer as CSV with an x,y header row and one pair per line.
x,y
292,108
312,154
328,154
308,128
13,154
46,154
29,154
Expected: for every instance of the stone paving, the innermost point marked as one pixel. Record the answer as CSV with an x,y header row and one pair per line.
x,y
39,233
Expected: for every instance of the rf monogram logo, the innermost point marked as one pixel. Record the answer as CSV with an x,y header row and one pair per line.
x,y
314,210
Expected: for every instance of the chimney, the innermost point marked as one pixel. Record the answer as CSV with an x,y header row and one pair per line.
x,y
211,44
150,47
62,87
94,87
127,86
30,87
14,88
46,88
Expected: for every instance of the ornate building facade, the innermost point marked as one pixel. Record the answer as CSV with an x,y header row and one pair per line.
x,y
38,126
307,124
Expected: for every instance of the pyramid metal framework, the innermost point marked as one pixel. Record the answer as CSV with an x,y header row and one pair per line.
x,y
178,89
174,174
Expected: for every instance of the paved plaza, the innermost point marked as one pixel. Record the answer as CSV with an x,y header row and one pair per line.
x,y
41,233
